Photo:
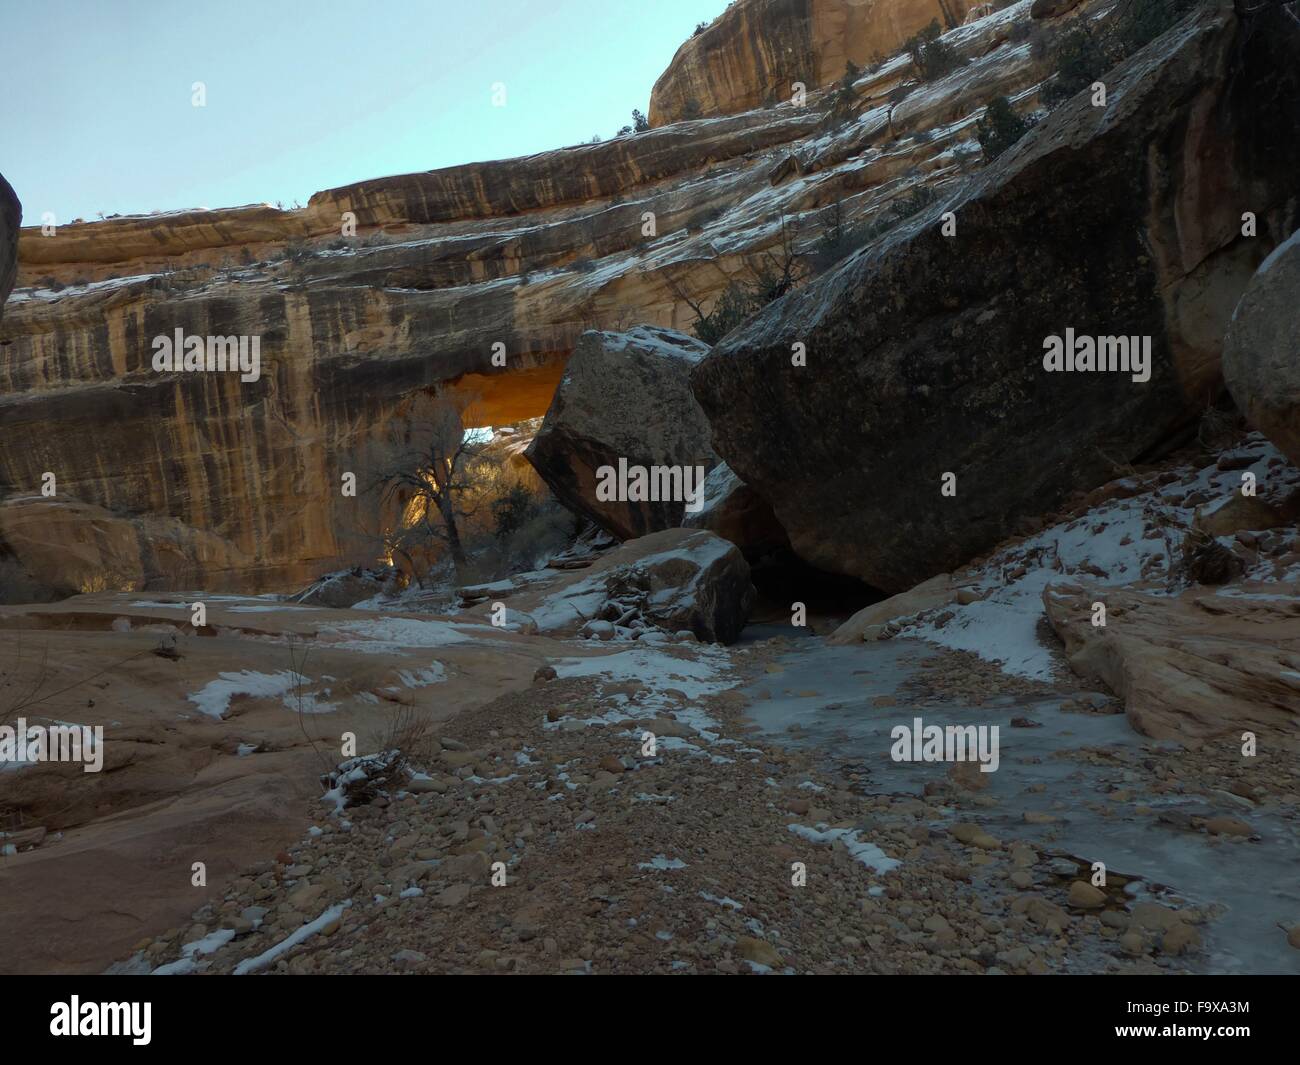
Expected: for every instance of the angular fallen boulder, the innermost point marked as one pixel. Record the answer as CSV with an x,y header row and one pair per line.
x,y
872,622
343,589
937,411
624,418
698,583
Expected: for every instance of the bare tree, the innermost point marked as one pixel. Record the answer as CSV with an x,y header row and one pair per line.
x,y
768,275
429,470
24,693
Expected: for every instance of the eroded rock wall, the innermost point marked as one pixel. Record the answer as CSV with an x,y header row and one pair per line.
x,y
442,266
752,54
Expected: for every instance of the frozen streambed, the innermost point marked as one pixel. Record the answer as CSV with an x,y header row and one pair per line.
x,y
830,695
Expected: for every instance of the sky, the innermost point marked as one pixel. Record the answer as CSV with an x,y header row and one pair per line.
x,y
99,111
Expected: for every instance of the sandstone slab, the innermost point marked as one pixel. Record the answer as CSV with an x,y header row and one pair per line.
x,y
1193,667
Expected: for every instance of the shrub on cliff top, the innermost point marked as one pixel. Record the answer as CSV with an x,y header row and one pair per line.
x,y
999,128
1084,53
931,57
639,124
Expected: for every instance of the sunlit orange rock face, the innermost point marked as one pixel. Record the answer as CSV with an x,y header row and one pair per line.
x,y
754,53
376,291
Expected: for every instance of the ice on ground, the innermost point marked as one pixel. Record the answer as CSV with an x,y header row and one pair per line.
x,y
387,635
1110,545
185,964
422,678
267,957
301,702
1051,770
662,862
730,903
704,674
662,680
213,699
859,850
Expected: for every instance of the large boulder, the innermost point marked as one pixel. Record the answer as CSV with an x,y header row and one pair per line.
x,y
926,351
872,622
696,582
734,511
673,581
1261,354
625,398
344,589
50,548
11,217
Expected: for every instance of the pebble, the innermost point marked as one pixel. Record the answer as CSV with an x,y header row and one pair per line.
x,y
1086,897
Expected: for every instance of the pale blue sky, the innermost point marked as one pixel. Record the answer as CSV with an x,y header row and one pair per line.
x,y
303,96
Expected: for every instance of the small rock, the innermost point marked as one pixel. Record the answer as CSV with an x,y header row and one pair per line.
x,y
1228,826
306,897
1084,896
454,895
974,836
759,951
1180,938
1132,943
407,959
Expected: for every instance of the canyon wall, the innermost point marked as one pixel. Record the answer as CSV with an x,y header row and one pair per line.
x,y
182,480
754,53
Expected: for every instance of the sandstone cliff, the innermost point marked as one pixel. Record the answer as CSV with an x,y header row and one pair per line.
x,y
527,253
754,53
